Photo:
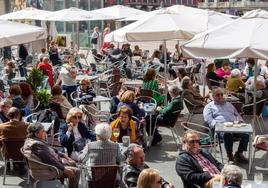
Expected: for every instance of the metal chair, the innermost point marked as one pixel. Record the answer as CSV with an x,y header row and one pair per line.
x,y
74,96
11,153
248,112
39,171
260,143
103,176
191,108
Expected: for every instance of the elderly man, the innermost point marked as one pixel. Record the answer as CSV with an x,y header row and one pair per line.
x,y
196,166
5,105
231,177
36,147
135,164
220,111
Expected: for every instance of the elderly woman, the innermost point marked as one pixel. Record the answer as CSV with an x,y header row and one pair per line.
x,y
231,177
224,71
85,91
126,126
58,98
102,151
73,134
235,83
5,105
193,96
127,99
149,178
150,83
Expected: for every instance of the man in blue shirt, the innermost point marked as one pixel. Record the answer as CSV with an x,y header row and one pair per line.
x,y
220,111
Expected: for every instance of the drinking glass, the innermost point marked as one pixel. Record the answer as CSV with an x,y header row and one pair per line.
x,y
258,178
116,133
34,118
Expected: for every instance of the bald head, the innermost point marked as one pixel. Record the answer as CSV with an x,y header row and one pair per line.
x,y
13,113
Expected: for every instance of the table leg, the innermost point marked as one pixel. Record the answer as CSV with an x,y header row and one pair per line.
x,y
249,154
215,144
150,131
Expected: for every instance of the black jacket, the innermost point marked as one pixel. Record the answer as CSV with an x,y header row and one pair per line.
x,y
191,172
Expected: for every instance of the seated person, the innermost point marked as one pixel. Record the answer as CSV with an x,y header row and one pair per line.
x,y
85,92
220,111
150,83
127,99
27,94
231,177
224,71
74,131
17,101
193,96
116,100
249,68
167,115
126,125
149,178
102,151
5,105
196,166
211,74
137,51
235,83
135,164
57,97
36,148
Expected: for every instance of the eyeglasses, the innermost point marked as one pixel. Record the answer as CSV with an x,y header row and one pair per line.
x,y
193,141
78,117
219,94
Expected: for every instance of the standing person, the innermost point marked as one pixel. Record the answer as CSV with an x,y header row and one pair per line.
x,y
95,39
23,53
105,45
67,77
46,67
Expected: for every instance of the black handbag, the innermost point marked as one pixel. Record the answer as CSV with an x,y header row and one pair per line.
x,y
79,144
94,40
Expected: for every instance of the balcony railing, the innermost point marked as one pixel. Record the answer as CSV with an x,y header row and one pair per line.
x,y
234,4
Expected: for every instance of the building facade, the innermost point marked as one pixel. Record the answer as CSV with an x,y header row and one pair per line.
x,y
235,7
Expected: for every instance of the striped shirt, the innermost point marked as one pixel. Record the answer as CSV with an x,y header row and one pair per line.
x,y
206,165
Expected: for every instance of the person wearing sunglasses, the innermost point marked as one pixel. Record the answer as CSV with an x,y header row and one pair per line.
x,y
220,111
195,166
73,134
149,178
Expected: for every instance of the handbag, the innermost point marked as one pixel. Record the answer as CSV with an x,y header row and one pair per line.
x,y
79,144
94,40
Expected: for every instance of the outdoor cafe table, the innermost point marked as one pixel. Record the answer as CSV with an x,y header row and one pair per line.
x,y
149,109
133,83
252,184
247,129
98,99
82,76
18,79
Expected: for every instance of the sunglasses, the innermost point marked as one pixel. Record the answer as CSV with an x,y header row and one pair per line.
x,y
77,117
193,141
159,182
219,94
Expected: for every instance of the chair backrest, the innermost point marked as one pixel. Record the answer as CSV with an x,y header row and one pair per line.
x,y
205,132
11,149
248,108
146,92
40,171
56,108
115,88
190,106
103,176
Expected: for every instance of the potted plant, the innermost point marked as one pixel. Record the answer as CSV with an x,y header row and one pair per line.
x,y
43,96
35,79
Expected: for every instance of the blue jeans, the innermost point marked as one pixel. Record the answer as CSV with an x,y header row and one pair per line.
x,y
228,140
69,90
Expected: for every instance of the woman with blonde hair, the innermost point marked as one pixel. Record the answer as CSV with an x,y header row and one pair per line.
x,y
73,133
149,178
127,99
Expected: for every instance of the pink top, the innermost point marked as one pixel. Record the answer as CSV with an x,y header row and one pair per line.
x,y
221,73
